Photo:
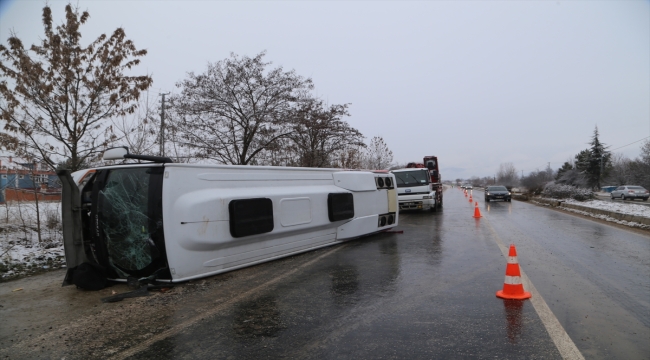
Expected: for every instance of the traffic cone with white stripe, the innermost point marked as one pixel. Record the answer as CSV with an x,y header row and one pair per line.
x,y
512,286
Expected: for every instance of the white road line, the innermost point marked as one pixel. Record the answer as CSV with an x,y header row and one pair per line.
x,y
561,339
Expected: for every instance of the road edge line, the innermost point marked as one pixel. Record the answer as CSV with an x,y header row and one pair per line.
x,y
567,348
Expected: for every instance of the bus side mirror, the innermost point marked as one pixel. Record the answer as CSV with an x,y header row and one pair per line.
x,y
116,153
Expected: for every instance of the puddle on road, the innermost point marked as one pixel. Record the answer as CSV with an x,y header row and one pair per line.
x,y
259,317
345,282
388,247
513,311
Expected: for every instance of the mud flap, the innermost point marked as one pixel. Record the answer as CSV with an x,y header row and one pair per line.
x,y
71,219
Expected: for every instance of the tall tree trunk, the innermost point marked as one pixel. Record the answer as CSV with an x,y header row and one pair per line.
x,y
38,210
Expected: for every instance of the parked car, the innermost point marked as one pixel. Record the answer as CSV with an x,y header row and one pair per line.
x,y
497,192
631,192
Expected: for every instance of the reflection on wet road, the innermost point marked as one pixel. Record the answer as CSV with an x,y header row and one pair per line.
x,y
430,293
426,293
594,277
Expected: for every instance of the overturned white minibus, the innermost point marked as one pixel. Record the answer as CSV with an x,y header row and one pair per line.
x,y
179,222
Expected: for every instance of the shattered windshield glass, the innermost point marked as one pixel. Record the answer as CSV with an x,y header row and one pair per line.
x,y
124,205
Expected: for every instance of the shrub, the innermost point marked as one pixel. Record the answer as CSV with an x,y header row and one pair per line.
x,y
52,218
560,191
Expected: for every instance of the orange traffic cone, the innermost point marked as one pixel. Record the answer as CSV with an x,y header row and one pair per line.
x,y
512,286
470,198
477,212
465,193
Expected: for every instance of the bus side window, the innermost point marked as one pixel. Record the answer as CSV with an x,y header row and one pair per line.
x,y
340,206
250,216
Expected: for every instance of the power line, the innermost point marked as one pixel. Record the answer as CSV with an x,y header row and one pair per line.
x,y
630,143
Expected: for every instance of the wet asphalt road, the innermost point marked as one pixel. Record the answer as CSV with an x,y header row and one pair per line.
x,y
430,293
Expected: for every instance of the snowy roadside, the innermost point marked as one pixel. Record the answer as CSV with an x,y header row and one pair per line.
x,y
623,208
627,214
21,252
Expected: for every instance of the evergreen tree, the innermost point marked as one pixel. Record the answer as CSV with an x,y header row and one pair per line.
x,y
594,163
565,167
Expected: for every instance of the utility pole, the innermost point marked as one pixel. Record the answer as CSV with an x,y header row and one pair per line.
x,y
600,174
162,125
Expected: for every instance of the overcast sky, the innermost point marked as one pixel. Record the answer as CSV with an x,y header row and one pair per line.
x,y
476,83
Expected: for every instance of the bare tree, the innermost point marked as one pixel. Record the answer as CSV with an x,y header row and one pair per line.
x,y
349,158
507,174
36,186
487,180
377,155
643,166
625,171
319,133
536,180
61,93
140,130
236,109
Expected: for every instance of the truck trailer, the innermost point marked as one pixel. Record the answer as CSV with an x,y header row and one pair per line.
x,y
419,185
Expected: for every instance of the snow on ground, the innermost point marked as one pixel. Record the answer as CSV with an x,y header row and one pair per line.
x,y
622,208
619,207
21,252
608,218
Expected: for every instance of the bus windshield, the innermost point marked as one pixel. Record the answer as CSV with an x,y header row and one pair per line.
x,y
127,207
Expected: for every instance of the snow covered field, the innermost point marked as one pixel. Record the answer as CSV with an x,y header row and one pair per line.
x,y
626,208
21,252
620,207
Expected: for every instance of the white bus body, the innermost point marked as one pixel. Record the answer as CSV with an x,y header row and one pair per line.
x,y
184,222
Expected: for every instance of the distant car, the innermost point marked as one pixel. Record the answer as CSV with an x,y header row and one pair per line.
x,y
630,192
468,187
497,192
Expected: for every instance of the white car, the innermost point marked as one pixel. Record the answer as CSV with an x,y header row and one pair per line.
x,y
630,192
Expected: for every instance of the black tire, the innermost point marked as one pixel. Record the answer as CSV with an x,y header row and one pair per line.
x,y
645,199
487,199
509,200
